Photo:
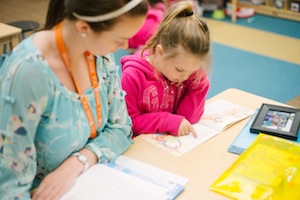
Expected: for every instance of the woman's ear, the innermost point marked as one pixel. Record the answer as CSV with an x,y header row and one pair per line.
x,y
82,28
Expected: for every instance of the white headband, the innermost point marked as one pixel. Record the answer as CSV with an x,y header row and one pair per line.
x,y
100,18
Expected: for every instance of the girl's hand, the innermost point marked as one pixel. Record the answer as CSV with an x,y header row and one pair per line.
x,y
186,128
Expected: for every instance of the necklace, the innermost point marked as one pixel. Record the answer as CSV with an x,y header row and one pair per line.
x,y
94,81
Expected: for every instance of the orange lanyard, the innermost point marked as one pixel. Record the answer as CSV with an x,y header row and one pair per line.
x,y
94,81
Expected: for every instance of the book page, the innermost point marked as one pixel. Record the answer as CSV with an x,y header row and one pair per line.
x,y
221,114
126,179
217,116
103,182
178,145
173,183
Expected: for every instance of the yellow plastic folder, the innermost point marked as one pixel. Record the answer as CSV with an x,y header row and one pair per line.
x,y
268,169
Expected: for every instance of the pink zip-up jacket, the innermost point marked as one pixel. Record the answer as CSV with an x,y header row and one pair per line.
x,y
153,103
153,18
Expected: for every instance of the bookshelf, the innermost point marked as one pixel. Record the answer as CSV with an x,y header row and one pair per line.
x,y
269,8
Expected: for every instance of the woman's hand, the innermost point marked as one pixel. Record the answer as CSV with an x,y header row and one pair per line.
x,y
58,182
186,128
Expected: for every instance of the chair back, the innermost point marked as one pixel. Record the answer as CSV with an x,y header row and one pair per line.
x,y
2,58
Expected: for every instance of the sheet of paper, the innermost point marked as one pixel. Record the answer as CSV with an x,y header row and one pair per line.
x,y
173,183
103,182
126,179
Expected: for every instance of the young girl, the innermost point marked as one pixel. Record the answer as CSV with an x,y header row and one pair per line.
x,y
62,108
166,83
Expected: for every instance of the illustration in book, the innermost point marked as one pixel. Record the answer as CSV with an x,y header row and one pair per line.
x,y
218,116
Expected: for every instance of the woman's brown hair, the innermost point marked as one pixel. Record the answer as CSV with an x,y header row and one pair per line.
x,y
60,9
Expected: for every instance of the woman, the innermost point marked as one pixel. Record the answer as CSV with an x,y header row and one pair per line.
x,y
62,108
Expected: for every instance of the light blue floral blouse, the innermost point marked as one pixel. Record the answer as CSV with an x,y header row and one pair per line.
x,y
42,122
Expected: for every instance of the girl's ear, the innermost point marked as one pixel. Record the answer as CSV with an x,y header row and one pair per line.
x,y
159,50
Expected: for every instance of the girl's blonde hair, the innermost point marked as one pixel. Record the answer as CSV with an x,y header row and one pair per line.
x,y
182,27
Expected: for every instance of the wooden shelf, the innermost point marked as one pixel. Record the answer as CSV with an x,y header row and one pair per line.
x,y
272,10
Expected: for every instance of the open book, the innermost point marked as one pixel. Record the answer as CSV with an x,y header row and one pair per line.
x,y
126,179
217,117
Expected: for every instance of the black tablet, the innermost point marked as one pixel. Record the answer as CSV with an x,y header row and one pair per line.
x,y
277,120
